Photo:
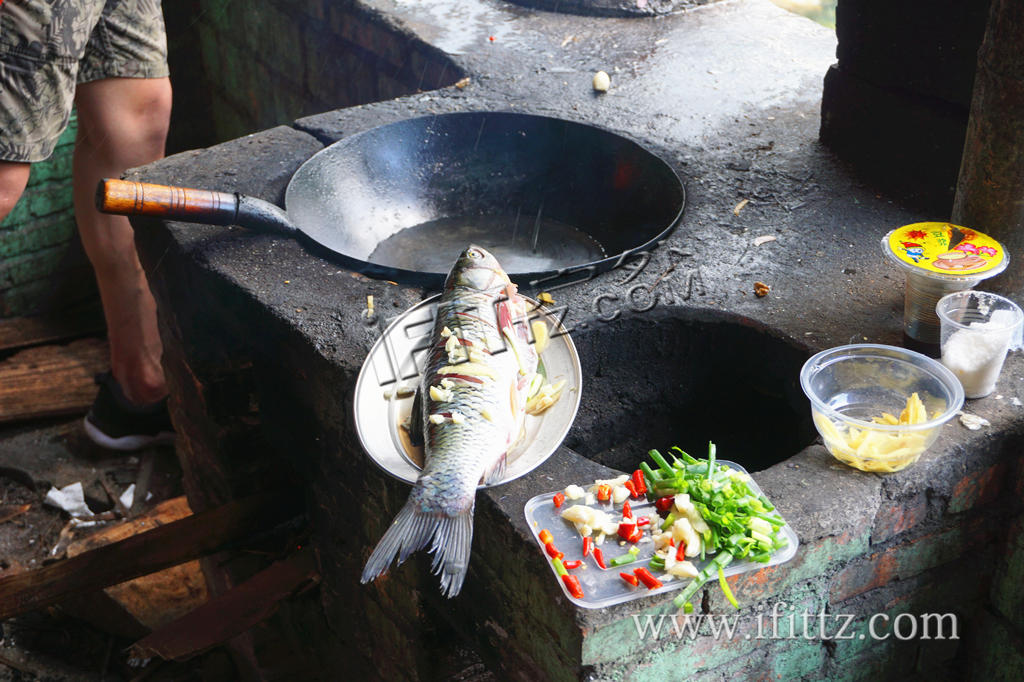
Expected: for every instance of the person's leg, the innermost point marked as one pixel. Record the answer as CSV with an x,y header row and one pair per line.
x,y
122,122
13,178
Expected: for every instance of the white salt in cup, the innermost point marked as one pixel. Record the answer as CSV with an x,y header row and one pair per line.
x,y
977,329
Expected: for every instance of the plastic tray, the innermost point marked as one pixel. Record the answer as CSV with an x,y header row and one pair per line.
x,y
604,587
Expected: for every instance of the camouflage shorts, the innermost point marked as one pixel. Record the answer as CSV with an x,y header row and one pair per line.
x,y
47,46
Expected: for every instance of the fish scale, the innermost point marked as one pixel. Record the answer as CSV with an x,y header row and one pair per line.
x,y
478,303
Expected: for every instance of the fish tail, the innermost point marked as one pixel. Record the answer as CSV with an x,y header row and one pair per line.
x,y
450,539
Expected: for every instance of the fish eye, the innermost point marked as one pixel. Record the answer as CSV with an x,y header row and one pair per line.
x,y
473,253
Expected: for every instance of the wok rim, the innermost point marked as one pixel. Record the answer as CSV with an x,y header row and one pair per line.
x,y
527,280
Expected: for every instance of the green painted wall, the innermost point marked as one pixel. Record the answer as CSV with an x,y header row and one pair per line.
x,y
42,266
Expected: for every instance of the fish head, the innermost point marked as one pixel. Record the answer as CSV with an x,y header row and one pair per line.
x,y
476,268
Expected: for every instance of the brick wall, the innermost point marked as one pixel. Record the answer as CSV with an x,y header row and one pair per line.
x,y
42,265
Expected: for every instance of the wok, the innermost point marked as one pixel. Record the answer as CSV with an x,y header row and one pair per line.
x,y
550,198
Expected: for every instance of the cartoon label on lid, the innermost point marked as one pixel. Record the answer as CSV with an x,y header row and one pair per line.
x,y
946,248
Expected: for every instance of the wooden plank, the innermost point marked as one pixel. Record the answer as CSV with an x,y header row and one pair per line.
x,y
160,548
72,323
157,599
105,613
231,613
51,381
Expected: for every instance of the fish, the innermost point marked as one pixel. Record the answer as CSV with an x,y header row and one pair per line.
x,y
472,396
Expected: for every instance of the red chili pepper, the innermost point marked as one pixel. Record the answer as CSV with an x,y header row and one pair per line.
x,y
573,584
636,535
681,551
632,489
642,521
639,483
599,557
545,537
553,551
558,499
604,492
664,503
627,511
626,529
575,563
630,578
588,544
646,578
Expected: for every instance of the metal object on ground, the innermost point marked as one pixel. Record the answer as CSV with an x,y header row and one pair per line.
x,y
549,198
387,381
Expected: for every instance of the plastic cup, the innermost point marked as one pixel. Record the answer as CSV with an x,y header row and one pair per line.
x,y
938,259
977,329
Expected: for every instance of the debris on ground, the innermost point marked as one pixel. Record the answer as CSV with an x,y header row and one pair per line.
x,y
973,421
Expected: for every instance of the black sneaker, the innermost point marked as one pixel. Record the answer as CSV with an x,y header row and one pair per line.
x,y
115,423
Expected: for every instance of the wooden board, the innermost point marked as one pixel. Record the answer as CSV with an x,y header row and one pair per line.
x,y
81,320
233,612
50,381
162,547
158,598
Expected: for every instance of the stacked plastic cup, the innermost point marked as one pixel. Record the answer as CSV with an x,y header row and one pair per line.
x,y
938,259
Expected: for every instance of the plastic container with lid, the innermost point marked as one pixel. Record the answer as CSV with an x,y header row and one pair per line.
x,y
939,259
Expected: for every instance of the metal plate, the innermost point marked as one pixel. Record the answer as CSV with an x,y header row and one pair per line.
x,y
604,587
395,361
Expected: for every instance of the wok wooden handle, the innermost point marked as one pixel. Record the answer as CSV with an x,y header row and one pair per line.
x,y
179,203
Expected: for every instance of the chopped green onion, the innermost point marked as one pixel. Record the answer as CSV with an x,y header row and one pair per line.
x,y
626,558
669,520
686,458
725,588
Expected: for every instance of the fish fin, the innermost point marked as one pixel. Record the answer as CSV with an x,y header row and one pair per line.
x,y
450,539
496,472
416,420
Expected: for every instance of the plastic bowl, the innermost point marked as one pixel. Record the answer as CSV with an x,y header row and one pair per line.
x,y
850,387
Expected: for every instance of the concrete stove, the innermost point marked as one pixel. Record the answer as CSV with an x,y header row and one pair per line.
x,y
264,342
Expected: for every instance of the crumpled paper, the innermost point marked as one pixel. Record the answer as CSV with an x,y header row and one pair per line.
x,y
70,498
